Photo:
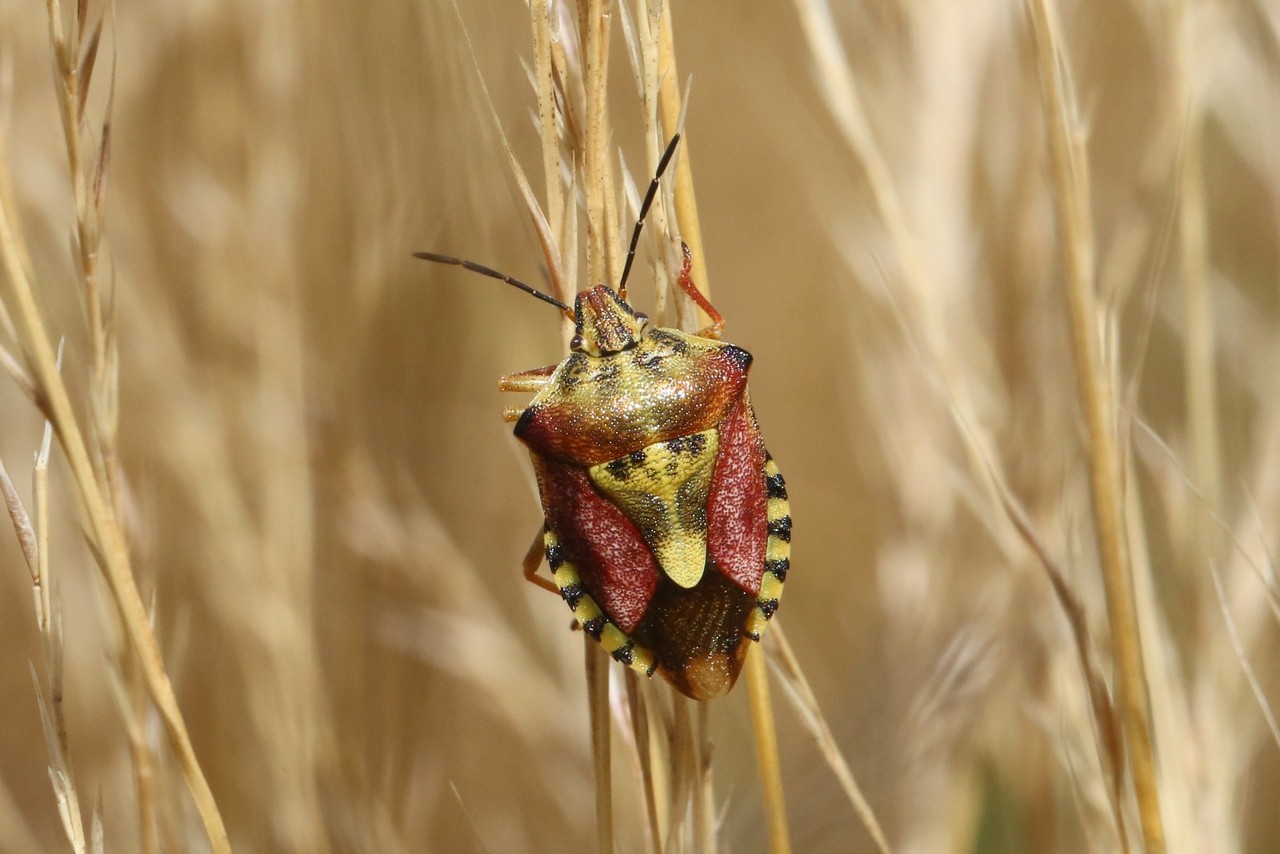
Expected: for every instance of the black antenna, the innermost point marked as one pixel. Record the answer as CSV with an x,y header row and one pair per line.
x,y
493,274
644,209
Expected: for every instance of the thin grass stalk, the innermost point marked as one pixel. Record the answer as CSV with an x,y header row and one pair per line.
x,y
594,40
1111,749
839,89
645,55
704,793
671,105
1071,185
548,127
1242,655
766,741
640,728
75,67
792,678
135,710
680,757
67,65
104,528
40,494
661,728
33,538
1199,360
594,148
597,666
702,806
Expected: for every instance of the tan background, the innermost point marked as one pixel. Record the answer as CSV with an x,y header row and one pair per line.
x,y
331,512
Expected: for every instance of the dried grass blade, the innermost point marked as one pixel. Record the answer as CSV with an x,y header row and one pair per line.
x,y
96,840
806,704
671,107
64,788
19,374
600,239
21,523
1200,360
704,794
597,666
9,203
1111,752
766,741
106,531
84,74
644,753
1265,576
545,237
99,182
1070,176
1238,646
540,12
680,756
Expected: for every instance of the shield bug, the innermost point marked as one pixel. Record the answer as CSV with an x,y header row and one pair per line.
x,y
667,527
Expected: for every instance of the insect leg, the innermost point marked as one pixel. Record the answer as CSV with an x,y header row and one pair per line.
x,y
685,283
532,380
533,560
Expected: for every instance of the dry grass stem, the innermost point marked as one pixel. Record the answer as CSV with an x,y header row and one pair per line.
x,y
638,715
762,724
1070,176
597,668
1245,666
33,538
1200,361
792,678
672,107
92,477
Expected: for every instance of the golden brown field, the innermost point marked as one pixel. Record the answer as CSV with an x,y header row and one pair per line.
x,y
1013,292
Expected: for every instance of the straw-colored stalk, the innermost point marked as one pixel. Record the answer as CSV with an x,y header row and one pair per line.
x,y
1199,364
1071,185
796,684
766,740
92,460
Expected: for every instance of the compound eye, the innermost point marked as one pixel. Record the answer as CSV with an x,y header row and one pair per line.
x,y
576,343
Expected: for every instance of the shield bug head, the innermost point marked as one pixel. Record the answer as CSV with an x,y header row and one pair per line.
x,y
666,524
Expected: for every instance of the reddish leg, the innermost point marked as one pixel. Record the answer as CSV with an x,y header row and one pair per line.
x,y
686,284
532,380
527,381
533,560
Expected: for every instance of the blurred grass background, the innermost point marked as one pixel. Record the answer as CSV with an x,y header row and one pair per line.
x,y
331,513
